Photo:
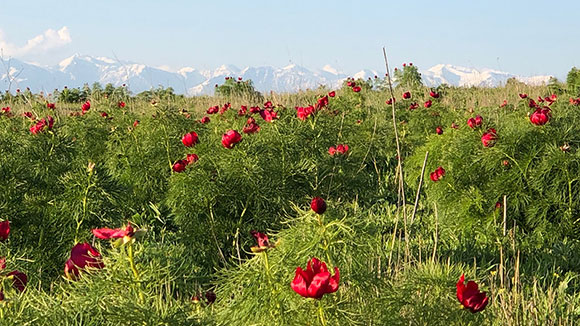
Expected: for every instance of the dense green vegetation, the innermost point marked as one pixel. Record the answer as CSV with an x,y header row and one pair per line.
x,y
399,254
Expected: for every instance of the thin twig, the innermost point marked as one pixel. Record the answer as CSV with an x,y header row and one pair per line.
x,y
419,188
399,159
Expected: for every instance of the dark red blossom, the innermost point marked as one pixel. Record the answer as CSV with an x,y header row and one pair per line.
x,y
318,205
82,256
439,130
213,110
407,95
315,281
204,120
179,166
332,94
121,104
433,94
437,174
469,295
541,116
19,280
523,95
243,110
251,126
50,105
86,106
107,234
304,112
4,230
489,138
428,104
391,101
356,89
190,139
231,138
413,106
340,149
192,158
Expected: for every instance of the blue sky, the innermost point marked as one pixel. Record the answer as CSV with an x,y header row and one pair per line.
x,y
522,37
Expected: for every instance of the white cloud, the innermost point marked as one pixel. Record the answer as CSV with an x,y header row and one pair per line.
x,y
39,44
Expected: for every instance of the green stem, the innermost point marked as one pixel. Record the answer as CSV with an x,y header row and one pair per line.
x,y
132,261
321,313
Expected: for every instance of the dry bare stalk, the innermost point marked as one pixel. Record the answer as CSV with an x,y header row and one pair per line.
x,y
399,159
504,215
419,188
436,233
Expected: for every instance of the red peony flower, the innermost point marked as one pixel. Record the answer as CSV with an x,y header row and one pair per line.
x,y
255,109
268,115
478,120
4,230
50,105
456,126
470,296
136,123
213,110
318,205
407,95
315,281
179,166
341,149
121,104
413,106
251,126
437,174
428,104
504,103
204,120
243,110
86,106
322,102
540,117
523,95
391,101
19,280
304,112
231,138
28,115
268,105
192,158
356,89
262,240
439,130
489,138
82,256
189,139
433,94
107,234
332,94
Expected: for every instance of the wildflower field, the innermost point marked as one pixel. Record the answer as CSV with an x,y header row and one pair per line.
x,y
352,206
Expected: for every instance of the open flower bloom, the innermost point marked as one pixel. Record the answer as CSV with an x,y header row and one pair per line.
x,y
315,281
304,112
126,235
488,138
179,166
407,95
192,158
268,115
19,280
433,94
82,256
541,116
523,95
189,139
428,104
262,240
4,230
341,149
332,94
470,296
356,89
251,126
231,138
437,174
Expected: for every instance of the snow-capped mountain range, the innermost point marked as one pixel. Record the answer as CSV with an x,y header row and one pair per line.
x,y
77,70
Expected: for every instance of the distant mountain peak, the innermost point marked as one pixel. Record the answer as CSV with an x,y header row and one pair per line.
x,y
78,69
